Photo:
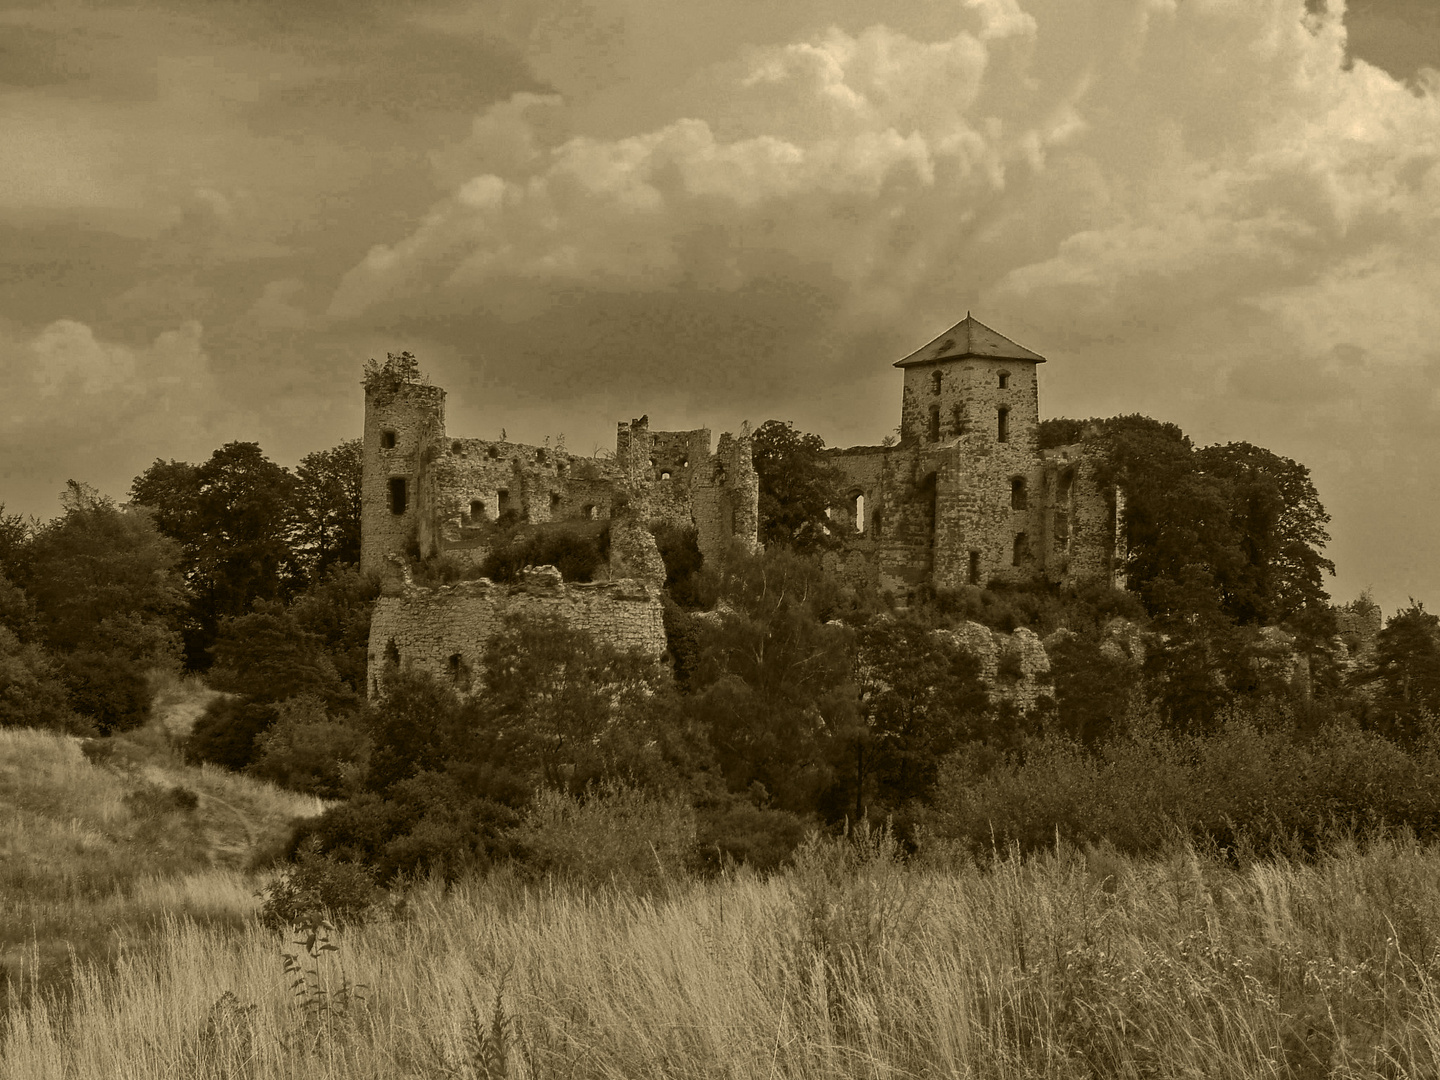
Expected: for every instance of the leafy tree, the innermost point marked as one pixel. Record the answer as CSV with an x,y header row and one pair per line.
x,y
919,696
232,516
336,609
773,681
31,691
1407,667
1091,688
308,750
104,579
327,508
797,487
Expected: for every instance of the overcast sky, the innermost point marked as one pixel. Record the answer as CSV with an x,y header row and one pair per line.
x,y
1222,213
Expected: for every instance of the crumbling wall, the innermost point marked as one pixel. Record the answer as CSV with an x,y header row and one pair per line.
x,y
400,420
725,496
1014,667
443,631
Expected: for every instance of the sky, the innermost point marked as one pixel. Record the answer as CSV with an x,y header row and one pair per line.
x,y
1220,213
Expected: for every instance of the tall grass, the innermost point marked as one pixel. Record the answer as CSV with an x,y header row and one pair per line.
x,y
1063,964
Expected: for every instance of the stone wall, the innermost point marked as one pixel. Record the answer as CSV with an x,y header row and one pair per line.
x,y
443,630
406,415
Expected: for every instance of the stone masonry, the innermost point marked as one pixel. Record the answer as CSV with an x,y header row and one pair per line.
x,y
966,496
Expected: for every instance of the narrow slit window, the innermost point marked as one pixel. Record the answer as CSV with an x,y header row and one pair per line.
x,y
397,495
934,423
974,576
503,500
1021,550
1017,493
1002,426
957,420
936,381
857,511
554,500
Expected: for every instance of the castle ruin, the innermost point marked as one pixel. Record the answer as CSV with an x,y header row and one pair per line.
x,y
966,496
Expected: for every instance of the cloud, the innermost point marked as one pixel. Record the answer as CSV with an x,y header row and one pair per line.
x,y
90,408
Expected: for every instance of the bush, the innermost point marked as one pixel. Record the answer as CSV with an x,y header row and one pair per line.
x,y
226,731
107,688
577,551
740,832
307,750
319,886
31,691
612,835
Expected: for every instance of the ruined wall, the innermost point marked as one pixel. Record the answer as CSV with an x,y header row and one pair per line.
x,y
443,630
1014,667
725,496
1083,528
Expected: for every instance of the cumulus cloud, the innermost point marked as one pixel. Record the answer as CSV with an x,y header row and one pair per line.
x,y
92,408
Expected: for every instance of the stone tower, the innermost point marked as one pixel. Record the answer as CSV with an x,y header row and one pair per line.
x,y
402,416
976,391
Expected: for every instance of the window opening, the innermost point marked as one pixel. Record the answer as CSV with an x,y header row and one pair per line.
x,y
1004,380
392,652
1021,551
540,455
456,448
477,509
503,500
974,576
1017,493
387,440
493,452
397,495
957,420
588,512
1002,429
684,463
665,474
875,521
935,381
459,672
554,500
857,511
934,423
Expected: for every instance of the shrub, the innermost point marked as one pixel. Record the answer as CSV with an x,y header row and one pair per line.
x,y
318,886
307,750
612,835
31,691
578,551
740,832
226,731
108,688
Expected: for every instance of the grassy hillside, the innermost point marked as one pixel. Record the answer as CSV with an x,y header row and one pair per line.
x,y
100,842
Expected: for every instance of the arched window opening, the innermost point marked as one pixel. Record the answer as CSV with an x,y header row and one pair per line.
x,y
1002,426
684,463
392,652
664,474
974,574
387,440
477,509
398,498
554,500
1021,550
1017,493
502,500
936,380
934,423
857,511
1004,380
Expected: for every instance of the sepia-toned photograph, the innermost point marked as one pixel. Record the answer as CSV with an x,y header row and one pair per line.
x,y
616,539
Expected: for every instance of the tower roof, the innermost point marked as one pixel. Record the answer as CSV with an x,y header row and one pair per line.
x,y
970,337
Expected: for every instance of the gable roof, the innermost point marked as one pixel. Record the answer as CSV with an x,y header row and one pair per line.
x,y
970,337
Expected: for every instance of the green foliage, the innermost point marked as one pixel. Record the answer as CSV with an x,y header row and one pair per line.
x,y
733,830
1255,784
335,609
797,487
225,733
920,697
396,370
326,509
107,687
611,834
32,693
1036,606
307,750
1407,668
1092,686
577,550
317,886
268,656
680,551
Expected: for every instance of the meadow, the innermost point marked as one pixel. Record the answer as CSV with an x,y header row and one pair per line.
x,y
1066,963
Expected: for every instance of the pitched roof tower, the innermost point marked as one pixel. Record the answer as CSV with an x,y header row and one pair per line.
x,y
969,338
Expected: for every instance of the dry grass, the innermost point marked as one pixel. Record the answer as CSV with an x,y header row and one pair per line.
x,y
1067,965
94,854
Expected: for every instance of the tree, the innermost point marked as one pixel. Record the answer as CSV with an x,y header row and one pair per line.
x,y
797,487
327,508
919,696
104,579
1407,665
232,516
31,691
